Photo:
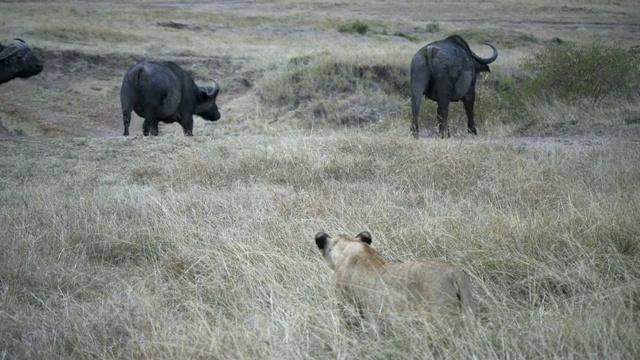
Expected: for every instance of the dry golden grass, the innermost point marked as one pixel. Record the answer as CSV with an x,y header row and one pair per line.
x,y
202,247
191,248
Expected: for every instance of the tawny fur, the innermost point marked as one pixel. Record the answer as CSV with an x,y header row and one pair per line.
x,y
364,279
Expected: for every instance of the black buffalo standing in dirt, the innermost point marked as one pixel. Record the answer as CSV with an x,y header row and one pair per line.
x,y
162,91
17,61
445,71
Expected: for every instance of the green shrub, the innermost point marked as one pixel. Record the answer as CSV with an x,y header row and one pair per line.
x,y
323,88
319,76
354,27
433,27
573,72
406,36
563,74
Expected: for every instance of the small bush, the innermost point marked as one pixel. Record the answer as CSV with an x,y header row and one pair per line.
x,y
406,36
573,72
547,92
433,27
340,92
320,77
354,27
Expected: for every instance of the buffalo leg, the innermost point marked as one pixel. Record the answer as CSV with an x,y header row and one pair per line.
x,y
127,101
468,102
126,119
443,114
145,127
150,126
187,125
419,78
153,127
414,119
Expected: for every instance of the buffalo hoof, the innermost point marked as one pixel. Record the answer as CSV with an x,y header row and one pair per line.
x,y
444,134
415,133
472,131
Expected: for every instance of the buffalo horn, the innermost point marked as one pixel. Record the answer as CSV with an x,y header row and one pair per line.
x,y
15,46
490,59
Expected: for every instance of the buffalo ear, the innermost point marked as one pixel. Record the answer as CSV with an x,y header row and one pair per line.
x,y
202,94
482,67
205,93
215,90
321,240
365,237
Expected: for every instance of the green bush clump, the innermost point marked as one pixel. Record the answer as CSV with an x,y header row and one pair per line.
x,y
357,26
309,78
433,27
336,91
406,36
572,72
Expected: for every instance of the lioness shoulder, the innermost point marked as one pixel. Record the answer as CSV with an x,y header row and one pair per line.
x,y
364,279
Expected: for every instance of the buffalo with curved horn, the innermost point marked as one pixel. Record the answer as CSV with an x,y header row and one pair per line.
x,y
163,91
17,61
446,71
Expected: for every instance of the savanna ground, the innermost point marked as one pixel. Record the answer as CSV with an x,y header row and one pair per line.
x,y
202,247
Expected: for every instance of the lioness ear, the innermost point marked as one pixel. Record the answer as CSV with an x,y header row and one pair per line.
x,y
365,237
321,240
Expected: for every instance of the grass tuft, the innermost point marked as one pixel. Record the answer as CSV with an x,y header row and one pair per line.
x,y
358,27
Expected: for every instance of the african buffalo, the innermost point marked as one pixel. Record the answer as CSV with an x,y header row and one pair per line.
x,y
163,91
446,71
17,61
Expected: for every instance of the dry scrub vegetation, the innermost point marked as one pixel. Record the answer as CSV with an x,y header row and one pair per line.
x,y
187,248
191,248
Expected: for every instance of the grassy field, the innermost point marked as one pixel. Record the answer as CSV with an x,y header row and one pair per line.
x,y
202,247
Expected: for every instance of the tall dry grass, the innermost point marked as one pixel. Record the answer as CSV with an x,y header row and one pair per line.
x,y
203,248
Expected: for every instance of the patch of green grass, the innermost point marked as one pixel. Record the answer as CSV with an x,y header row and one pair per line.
x,y
406,36
357,26
562,89
83,33
572,72
433,27
334,91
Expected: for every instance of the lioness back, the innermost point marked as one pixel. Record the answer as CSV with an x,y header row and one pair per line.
x,y
365,280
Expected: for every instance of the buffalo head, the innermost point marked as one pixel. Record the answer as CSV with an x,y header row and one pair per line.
x,y
207,107
17,61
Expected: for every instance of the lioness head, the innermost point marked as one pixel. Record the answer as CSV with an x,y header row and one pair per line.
x,y
335,248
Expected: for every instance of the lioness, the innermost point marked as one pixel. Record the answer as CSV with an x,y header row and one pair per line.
x,y
364,279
